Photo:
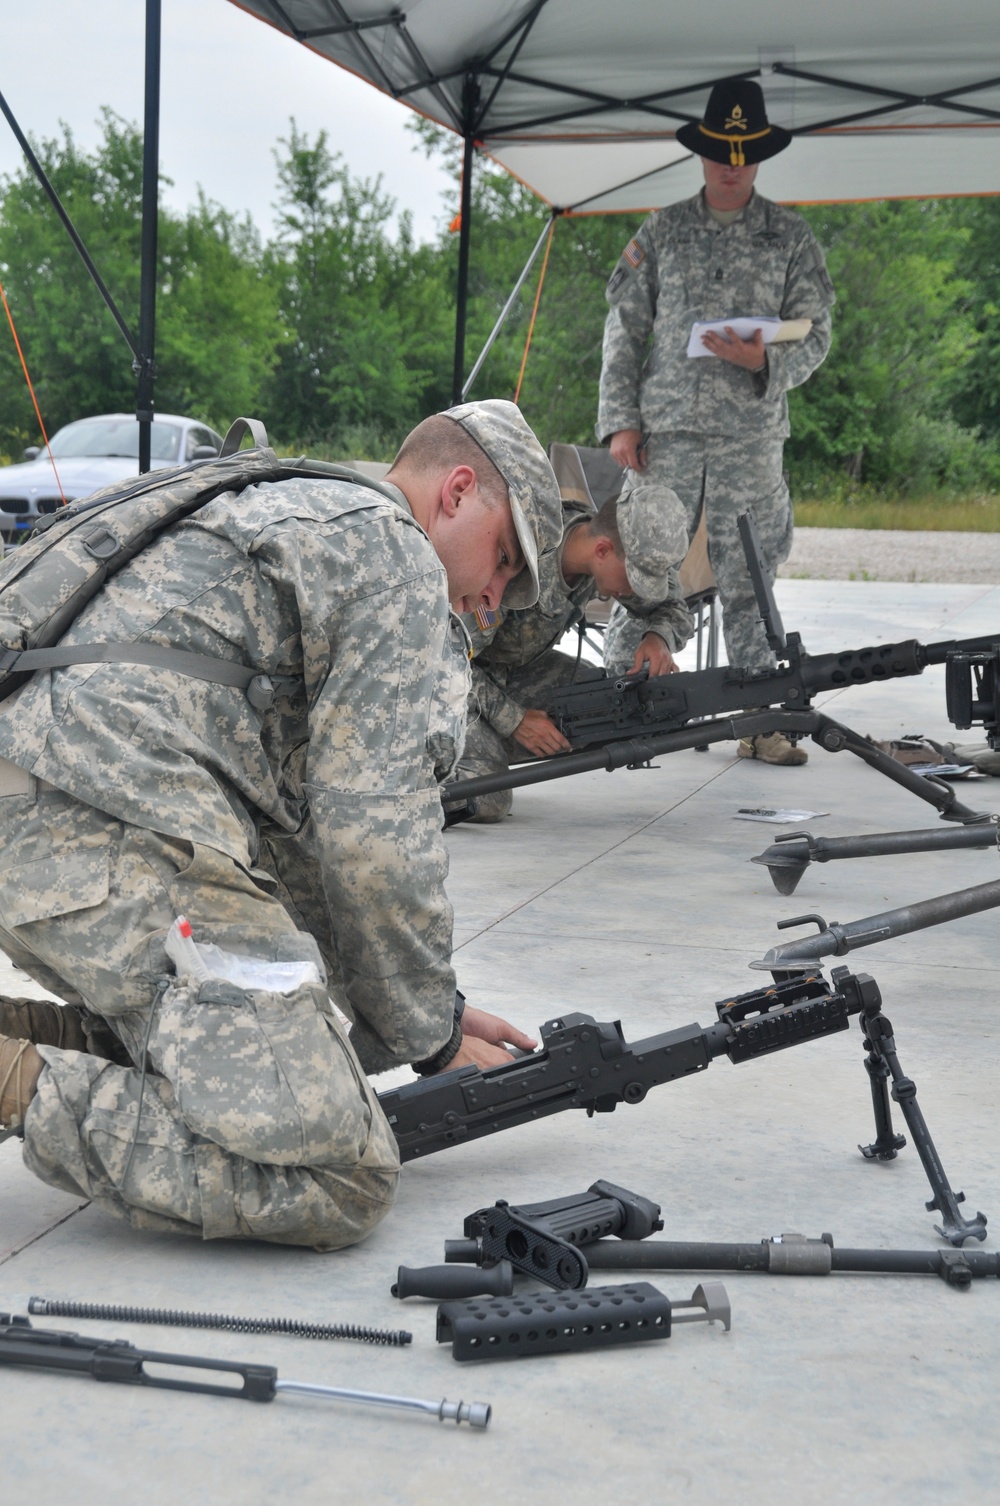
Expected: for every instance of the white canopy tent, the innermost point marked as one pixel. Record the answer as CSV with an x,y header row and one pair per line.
x,y
580,99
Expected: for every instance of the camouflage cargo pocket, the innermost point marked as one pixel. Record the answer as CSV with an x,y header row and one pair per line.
x,y
264,1075
54,884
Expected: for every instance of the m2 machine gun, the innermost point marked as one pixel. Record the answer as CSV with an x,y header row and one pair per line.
x,y
627,721
584,1064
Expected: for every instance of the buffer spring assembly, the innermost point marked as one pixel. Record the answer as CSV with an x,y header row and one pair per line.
x,y
300,1328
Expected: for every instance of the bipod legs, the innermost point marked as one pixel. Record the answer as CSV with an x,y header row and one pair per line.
x,y
881,1063
887,1144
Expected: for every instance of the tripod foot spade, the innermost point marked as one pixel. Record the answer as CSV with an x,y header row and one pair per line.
x,y
883,1150
953,1227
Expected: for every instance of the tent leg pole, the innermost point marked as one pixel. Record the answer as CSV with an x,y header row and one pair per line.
x,y
505,310
143,365
462,294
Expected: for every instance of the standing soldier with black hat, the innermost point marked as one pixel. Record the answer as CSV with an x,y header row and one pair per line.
x,y
712,431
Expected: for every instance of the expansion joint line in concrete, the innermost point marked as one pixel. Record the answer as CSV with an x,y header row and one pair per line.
x,y
582,867
64,1218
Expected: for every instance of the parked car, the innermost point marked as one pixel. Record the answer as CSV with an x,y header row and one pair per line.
x,y
89,454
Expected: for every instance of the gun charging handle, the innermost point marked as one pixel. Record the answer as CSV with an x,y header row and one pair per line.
x,y
445,1282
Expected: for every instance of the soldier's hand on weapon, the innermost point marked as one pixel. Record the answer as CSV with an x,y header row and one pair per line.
x,y
539,734
483,1039
654,652
750,354
628,449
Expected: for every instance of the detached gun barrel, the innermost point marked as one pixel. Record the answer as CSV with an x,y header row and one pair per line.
x,y
837,940
788,858
789,1255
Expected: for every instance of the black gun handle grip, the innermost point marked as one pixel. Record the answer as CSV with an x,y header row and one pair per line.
x,y
444,1281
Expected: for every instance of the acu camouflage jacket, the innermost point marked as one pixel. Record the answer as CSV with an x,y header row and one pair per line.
x,y
518,639
682,267
338,596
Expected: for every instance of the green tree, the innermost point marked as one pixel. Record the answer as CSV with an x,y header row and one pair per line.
x,y
977,395
358,307
217,319
219,325
559,388
880,409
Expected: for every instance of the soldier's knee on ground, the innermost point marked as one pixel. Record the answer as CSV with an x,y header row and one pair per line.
x,y
324,1207
492,808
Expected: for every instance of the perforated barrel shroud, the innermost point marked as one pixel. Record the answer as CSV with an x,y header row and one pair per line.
x,y
553,1322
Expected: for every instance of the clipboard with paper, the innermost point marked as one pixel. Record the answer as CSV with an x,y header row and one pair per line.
x,y
774,331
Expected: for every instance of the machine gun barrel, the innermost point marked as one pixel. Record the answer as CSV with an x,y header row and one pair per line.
x,y
601,710
787,859
837,940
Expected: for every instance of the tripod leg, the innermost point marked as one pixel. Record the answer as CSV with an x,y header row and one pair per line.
x,y
886,1145
953,1227
834,735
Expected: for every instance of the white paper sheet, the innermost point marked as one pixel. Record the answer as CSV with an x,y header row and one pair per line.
x,y
774,331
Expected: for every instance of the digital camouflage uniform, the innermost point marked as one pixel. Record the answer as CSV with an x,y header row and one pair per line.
x,y
516,664
716,431
149,794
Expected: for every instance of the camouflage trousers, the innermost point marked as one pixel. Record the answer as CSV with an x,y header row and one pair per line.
x,y
254,1119
725,476
486,752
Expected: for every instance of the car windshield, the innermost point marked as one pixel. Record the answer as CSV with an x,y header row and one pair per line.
x,y
115,436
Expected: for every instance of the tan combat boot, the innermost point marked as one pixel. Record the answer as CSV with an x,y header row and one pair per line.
x,y
43,1022
20,1068
774,748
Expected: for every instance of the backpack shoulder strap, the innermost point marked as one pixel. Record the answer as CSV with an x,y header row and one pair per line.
x,y
102,539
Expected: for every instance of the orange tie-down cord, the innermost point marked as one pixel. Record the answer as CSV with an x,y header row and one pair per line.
x,y
27,378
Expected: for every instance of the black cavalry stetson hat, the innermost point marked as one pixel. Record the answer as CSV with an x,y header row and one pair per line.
x,y
735,129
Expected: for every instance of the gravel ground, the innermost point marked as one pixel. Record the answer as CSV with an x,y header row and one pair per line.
x,y
889,554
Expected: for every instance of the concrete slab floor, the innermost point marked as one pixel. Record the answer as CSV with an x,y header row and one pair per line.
x,y
627,896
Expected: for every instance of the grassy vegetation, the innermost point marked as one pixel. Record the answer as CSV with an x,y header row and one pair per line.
x,y
973,513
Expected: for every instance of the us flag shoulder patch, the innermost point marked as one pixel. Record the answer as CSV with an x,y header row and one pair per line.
x,y
487,619
634,254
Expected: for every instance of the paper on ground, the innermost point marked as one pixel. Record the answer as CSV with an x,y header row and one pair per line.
x,y
774,331
777,817
946,770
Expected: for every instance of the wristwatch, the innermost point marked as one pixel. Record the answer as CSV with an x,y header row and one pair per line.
x,y
451,1047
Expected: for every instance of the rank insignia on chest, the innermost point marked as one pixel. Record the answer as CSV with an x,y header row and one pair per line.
x,y
634,254
485,619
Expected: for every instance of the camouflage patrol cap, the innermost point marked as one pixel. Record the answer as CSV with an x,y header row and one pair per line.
x,y
499,429
653,532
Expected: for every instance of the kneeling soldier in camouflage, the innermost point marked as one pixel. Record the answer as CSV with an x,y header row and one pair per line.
x,y
615,552
308,832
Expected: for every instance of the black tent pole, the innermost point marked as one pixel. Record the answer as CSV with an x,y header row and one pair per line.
x,y
143,365
70,228
470,101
